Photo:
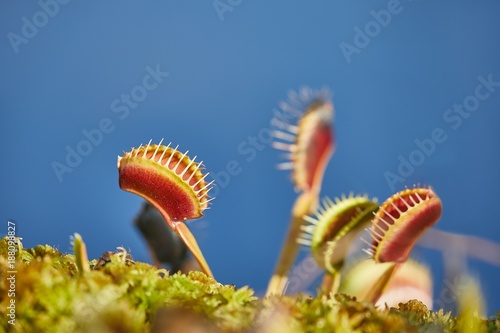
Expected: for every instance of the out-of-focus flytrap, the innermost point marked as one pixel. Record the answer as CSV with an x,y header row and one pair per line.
x,y
308,144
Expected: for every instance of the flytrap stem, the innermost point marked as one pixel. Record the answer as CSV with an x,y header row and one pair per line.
x,y
304,204
331,282
185,234
378,288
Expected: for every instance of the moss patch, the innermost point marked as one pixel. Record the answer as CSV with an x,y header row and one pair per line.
x,y
51,295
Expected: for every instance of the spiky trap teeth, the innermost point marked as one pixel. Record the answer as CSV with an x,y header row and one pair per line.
x,y
310,142
167,178
331,231
173,183
400,222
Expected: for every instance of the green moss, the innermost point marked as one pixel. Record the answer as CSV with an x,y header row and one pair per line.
x,y
122,296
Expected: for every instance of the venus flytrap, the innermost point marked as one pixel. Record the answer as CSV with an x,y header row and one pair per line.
x,y
401,221
309,145
173,183
332,231
396,227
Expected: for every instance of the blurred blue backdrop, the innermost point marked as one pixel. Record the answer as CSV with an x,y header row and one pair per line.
x,y
395,69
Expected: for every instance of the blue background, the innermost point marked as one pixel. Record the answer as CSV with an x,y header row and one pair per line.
x,y
226,74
